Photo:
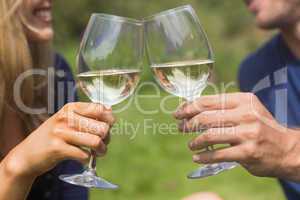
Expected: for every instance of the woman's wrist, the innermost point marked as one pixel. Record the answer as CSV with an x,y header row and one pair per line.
x,y
14,166
17,183
12,175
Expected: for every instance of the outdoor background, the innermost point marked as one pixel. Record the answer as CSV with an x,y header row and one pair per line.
x,y
153,166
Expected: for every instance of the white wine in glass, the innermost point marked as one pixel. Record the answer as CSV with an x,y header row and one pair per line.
x,y
185,79
182,60
109,87
109,63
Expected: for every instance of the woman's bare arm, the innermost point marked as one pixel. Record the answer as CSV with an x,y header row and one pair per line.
x,y
14,185
58,138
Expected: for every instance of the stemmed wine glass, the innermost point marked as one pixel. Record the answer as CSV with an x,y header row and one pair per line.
x,y
109,66
182,60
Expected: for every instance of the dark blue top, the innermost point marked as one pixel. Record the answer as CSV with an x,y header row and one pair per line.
x,y
273,74
48,186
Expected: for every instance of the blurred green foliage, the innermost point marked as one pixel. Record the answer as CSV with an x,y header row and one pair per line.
x,y
228,24
153,166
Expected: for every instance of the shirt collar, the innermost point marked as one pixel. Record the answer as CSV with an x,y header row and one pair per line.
x,y
285,51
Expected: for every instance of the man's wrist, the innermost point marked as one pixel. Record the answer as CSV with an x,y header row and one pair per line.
x,y
290,165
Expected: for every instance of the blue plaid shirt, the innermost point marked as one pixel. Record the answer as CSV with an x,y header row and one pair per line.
x,y
273,74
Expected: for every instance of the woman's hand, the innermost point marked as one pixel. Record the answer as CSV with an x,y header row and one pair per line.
x,y
62,137
256,140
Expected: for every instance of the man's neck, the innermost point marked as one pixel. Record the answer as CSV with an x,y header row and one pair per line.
x,y
291,35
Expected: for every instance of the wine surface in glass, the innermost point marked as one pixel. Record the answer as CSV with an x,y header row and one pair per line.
x,y
109,87
186,79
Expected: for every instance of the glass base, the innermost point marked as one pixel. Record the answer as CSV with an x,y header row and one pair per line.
x,y
211,170
88,179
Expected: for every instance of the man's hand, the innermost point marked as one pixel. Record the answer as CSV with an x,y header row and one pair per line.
x,y
255,139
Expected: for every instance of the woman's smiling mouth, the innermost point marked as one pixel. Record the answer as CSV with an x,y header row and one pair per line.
x,y
44,14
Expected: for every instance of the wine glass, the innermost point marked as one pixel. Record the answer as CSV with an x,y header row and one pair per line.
x,y
109,66
182,60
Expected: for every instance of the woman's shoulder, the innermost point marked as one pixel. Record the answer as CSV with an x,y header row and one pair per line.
x,y
64,87
61,64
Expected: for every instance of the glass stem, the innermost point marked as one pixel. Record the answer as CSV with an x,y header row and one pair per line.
x,y
93,158
208,148
92,162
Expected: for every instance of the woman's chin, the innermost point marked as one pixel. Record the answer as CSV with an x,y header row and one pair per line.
x,y
41,36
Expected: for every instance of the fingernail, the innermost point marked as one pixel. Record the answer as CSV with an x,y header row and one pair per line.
x,y
177,113
196,158
180,125
102,151
191,145
180,110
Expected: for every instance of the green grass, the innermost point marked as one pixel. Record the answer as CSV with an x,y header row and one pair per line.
x,y
154,165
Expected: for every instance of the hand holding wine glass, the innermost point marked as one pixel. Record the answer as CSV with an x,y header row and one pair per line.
x,y
60,138
182,61
109,65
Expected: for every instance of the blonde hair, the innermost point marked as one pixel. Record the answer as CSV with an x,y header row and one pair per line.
x,y
18,55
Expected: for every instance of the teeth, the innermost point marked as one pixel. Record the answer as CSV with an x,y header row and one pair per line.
x,y
44,14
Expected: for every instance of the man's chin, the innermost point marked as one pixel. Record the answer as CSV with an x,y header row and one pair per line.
x,y
266,25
